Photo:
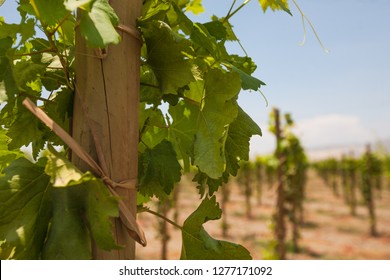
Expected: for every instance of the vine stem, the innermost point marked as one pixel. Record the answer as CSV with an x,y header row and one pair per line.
x,y
35,97
236,10
304,17
163,217
49,35
48,50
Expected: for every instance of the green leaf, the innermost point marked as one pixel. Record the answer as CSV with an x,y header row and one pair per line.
x,y
199,245
6,156
154,128
25,210
98,24
248,81
26,72
72,5
159,170
275,5
182,130
217,29
92,197
203,39
230,35
26,129
154,10
237,142
2,2
67,32
244,66
5,65
62,172
25,30
50,12
165,57
219,110
177,18
68,237
195,6
100,206
207,185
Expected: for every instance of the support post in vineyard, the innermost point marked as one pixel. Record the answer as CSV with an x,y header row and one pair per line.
x,y
280,227
368,174
259,168
105,116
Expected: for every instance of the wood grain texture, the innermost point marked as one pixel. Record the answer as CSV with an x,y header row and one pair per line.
x,y
107,101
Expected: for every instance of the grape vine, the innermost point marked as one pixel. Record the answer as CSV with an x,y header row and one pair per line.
x,y
49,208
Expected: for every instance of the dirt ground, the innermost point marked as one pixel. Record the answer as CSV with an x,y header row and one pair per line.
x,y
329,231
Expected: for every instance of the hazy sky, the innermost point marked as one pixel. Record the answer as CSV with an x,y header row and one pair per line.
x,y
336,98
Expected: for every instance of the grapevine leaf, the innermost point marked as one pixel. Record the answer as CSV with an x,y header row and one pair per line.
x,y
159,170
50,12
209,185
98,23
237,142
199,245
203,39
149,92
248,81
217,29
8,85
154,10
182,130
25,130
154,128
97,203
5,45
195,6
165,56
230,35
100,206
25,210
62,172
66,32
6,156
24,29
176,17
72,5
218,111
244,66
68,236
26,72
275,5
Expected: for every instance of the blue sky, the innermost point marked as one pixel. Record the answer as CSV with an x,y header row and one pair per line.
x,y
336,98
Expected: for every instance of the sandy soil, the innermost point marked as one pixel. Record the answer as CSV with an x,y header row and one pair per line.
x,y
329,232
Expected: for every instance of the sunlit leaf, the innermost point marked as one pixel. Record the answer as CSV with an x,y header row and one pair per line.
x,y
275,5
218,111
199,245
98,23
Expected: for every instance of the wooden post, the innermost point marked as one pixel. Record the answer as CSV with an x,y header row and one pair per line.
x,y
106,113
224,201
259,182
280,227
369,192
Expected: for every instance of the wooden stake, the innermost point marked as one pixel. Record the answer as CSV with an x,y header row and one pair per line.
x,y
280,227
106,114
